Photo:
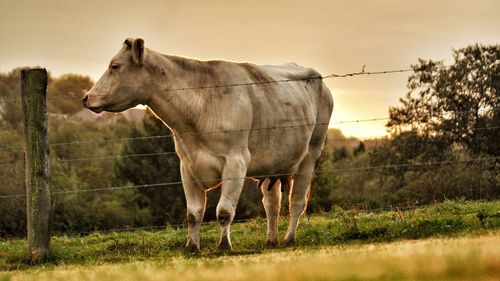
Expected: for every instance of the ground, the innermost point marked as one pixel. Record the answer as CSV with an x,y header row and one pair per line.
x,y
449,241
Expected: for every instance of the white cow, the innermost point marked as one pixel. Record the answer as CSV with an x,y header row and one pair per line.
x,y
224,134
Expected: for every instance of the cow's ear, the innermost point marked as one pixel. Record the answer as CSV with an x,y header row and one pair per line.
x,y
128,43
138,51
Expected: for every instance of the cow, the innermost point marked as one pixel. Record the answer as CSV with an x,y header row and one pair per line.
x,y
229,121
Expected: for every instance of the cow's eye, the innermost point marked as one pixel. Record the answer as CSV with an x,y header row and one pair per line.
x,y
115,66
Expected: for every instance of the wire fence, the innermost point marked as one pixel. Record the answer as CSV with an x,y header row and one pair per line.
x,y
363,210
230,131
341,170
163,153
254,83
173,135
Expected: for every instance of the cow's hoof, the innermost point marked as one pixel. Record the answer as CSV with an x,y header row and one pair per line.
x,y
271,244
191,248
224,245
289,242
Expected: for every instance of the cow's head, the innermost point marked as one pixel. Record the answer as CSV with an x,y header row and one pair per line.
x,y
122,85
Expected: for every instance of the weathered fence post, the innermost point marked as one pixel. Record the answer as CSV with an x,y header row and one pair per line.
x,y
33,88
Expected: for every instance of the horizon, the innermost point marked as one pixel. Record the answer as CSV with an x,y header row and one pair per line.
x,y
331,37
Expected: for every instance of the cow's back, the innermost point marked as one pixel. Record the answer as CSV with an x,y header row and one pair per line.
x,y
285,115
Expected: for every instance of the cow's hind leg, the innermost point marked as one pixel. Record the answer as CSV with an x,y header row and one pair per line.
x,y
272,205
196,202
299,193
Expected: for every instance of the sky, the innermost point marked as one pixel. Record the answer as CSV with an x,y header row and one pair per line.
x,y
329,36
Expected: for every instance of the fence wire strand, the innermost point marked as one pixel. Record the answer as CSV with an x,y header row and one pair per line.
x,y
354,210
339,170
250,129
108,157
333,75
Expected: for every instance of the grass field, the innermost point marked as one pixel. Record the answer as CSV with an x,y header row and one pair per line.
x,y
462,242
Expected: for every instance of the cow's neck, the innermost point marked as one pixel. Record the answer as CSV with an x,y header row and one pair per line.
x,y
179,109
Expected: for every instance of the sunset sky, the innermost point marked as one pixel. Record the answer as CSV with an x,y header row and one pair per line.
x,y
330,36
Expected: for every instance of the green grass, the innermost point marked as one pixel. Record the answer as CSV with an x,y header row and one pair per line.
x,y
338,228
465,258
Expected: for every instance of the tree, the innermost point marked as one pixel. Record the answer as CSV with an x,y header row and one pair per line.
x,y
456,105
10,98
65,92
166,203
63,95
12,210
323,183
449,113
359,149
340,153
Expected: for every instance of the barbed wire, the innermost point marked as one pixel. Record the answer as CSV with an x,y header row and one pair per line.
x,y
247,129
338,170
200,133
333,75
115,156
276,81
169,152
20,148
262,147
173,152
124,229
356,211
14,163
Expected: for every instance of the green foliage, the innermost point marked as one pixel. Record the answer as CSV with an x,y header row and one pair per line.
x,y
340,154
166,204
76,212
65,92
359,149
411,185
10,89
450,114
322,185
63,95
451,104
12,213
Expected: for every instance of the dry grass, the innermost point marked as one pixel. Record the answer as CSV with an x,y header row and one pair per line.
x,y
466,258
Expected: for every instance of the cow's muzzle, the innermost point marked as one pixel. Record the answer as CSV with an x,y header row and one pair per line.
x,y
85,99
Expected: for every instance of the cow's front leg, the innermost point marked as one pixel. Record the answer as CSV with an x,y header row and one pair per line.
x,y
233,177
195,202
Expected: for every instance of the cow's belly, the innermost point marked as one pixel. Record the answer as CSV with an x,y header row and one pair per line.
x,y
267,165
281,155
206,167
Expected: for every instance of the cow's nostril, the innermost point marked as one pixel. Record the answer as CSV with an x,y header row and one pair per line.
x,y
84,100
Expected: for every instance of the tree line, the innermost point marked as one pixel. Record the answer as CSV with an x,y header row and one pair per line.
x,y
449,114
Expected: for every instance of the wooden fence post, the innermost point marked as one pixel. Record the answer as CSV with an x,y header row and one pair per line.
x,y
33,89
